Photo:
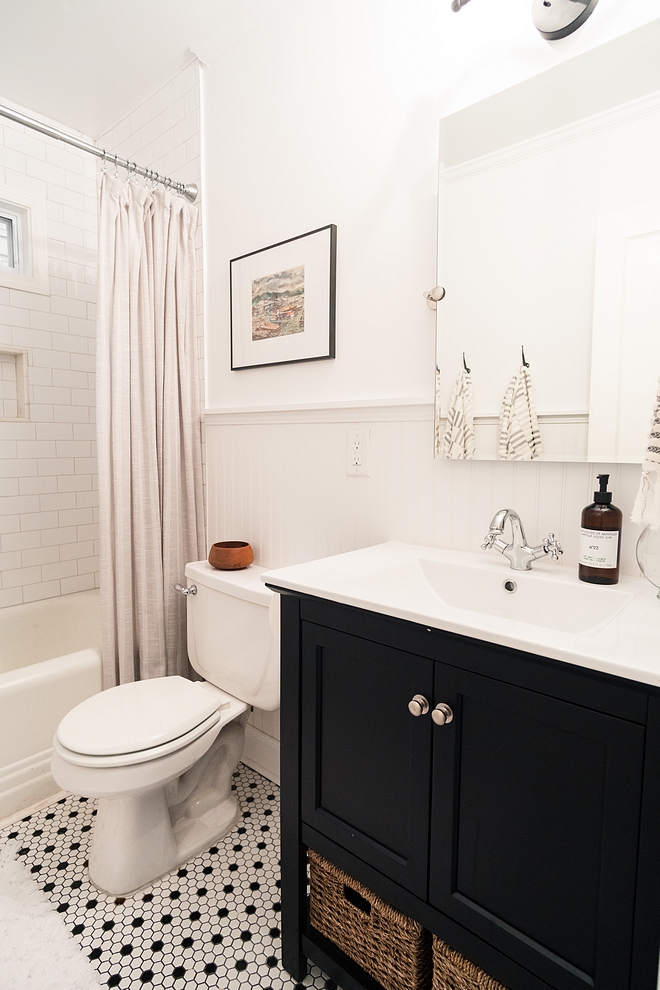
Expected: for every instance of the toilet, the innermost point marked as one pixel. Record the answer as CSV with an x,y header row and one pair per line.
x,y
159,754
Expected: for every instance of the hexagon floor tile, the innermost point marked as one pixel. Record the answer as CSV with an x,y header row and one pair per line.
x,y
213,923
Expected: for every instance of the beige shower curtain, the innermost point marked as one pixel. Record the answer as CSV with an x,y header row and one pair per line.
x,y
149,449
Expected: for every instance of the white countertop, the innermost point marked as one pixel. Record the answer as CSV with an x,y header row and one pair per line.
x,y
627,644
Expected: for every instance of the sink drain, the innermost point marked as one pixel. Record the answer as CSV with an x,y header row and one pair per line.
x,y
510,587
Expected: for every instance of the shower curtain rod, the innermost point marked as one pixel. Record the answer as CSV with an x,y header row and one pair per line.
x,y
189,191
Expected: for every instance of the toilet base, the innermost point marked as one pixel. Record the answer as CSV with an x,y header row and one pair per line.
x,y
139,837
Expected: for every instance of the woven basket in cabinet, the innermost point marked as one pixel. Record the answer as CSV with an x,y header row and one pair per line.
x,y
390,947
452,971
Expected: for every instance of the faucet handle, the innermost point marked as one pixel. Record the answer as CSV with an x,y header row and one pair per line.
x,y
489,539
552,546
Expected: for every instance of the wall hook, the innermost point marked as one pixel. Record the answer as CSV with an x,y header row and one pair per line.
x,y
465,365
434,296
525,363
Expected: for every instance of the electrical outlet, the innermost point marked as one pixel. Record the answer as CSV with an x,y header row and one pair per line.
x,y
357,453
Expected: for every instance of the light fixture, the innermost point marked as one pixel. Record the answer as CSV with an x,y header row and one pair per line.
x,y
554,19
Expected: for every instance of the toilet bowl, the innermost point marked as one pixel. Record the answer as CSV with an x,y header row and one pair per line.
x,y
159,754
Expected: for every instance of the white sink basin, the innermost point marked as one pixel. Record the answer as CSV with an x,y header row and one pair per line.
x,y
552,600
546,611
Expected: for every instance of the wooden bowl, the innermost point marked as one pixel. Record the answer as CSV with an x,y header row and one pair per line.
x,y
230,555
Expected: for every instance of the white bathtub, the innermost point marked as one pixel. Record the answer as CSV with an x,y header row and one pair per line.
x,y
50,661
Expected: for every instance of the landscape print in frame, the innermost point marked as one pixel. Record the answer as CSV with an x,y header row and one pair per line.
x,y
278,304
282,301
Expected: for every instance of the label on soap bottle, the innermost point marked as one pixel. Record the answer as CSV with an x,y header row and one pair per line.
x,y
599,547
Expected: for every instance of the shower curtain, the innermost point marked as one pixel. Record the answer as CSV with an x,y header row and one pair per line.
x,y
149,444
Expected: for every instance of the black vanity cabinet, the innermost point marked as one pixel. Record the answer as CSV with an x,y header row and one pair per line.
x,y
534,827
365,759
523,831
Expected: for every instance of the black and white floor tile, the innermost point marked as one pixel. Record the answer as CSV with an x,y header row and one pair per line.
x,y
213,923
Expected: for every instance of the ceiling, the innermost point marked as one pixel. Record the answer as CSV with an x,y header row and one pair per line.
x,y
86,63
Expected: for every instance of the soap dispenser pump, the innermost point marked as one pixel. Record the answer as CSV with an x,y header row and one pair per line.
x,y
600,538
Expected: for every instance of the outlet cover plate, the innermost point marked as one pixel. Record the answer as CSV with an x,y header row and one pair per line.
x,y
357,453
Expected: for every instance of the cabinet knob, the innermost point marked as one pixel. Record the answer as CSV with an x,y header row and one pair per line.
x,y
419,705
442,714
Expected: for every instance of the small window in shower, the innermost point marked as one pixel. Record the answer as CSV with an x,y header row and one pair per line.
x,y
8,246
14,246
13,386
23,249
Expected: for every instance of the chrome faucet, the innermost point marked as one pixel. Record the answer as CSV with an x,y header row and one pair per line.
x,y
519,555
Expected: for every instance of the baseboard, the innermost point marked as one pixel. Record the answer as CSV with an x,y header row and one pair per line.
x,y
28,784
25,784
262,753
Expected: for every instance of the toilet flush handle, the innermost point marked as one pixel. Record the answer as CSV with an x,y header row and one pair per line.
x,y
192,590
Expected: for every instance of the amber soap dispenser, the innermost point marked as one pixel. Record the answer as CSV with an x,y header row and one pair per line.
x,y
600,539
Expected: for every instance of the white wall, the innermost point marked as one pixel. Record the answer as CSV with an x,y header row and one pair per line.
x,y
343,129
48,481
327,112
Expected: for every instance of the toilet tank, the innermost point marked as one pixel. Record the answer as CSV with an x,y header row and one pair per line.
x,y
233,632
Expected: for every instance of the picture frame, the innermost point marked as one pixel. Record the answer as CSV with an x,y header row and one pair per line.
x,y
282,301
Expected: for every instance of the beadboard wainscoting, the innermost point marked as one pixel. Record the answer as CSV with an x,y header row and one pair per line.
x,y
277,478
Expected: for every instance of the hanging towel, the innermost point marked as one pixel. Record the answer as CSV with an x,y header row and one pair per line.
x,y
520,439
437,436
646,510
458,441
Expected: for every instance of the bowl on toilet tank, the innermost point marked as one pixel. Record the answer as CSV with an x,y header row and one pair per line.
x,y
233,632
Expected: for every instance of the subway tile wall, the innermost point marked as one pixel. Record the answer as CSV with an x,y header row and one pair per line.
x,y
48,480
163,133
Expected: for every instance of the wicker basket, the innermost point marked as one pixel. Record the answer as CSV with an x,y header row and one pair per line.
x,y
390,947
452,971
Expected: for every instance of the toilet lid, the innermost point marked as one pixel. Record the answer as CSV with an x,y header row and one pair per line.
x,y
137,716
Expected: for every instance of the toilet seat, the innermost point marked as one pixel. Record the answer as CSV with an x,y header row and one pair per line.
x,y
142,721
143,755
137,716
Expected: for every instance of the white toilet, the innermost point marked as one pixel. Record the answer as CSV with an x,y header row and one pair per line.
x,y
159,754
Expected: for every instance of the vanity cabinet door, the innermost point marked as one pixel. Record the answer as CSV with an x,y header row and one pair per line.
x,y
365,759
534,828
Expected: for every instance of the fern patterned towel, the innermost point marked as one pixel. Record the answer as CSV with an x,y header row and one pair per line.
x,y
520,439
458,441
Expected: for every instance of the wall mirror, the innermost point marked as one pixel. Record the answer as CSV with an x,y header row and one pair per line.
x,y
549,238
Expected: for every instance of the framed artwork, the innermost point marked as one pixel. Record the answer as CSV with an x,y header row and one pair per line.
x,y
283,301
